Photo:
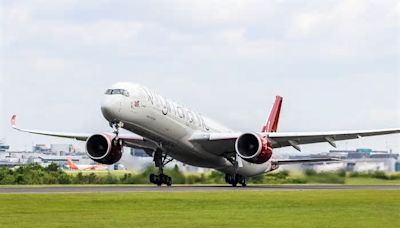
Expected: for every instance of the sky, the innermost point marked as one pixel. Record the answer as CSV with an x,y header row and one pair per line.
x,y
336,63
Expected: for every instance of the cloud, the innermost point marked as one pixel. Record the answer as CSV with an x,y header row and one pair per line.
x,y
335,62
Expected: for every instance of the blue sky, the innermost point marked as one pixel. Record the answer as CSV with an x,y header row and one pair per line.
x,y
337,63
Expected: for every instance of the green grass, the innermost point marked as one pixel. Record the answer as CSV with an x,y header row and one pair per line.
x,y
370,181
204,209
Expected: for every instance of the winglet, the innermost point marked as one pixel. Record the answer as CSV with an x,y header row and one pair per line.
x,y
13,120
272,123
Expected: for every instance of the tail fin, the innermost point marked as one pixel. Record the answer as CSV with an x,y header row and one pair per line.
x,y
71,164
272,123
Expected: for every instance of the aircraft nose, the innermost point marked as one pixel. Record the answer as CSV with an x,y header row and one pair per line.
x,y
108,108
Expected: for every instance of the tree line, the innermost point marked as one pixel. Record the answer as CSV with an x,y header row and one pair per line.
x,y
34,174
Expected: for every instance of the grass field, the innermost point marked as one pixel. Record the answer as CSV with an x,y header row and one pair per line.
x,y
214,209
370,181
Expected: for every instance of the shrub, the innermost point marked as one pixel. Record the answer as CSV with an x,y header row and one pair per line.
x,y
380,175
310,172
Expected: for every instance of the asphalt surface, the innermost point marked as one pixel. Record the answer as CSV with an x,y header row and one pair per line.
x,y
201,188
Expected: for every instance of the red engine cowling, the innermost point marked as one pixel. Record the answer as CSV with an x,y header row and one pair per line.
x,y
253,148
104,149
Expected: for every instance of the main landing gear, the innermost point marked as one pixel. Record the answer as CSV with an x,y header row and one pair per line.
x,y
235,179
160,161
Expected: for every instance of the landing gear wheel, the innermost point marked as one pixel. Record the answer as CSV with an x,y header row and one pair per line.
x,y
160,179
152,178
169,181
228,178
118,142
234,180
163,178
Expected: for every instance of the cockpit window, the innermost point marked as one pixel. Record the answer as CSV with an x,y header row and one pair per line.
x,y
117,91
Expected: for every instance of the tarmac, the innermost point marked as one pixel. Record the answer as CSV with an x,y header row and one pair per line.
x,y
185,188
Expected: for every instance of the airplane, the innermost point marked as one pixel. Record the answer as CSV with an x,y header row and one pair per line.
x,y
167,130
73,166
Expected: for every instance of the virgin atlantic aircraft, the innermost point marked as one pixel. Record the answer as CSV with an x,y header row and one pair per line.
x,y
167,131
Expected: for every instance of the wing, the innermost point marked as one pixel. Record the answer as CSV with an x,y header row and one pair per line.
x,y
279,140
311,160
77,136
224,143
130,140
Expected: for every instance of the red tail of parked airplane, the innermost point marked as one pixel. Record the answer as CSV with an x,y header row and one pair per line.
x,y
72,165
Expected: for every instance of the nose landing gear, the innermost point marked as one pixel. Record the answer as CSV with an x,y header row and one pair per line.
x,y
116,125
160,161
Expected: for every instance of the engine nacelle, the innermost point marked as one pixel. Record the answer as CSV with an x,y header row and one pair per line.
x,y
253,148
104,149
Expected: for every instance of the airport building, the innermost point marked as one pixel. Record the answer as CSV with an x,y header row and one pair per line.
x,y
360,160
397,166
41,148
43,155
3,147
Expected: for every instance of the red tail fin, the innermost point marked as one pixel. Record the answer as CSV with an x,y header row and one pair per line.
x,y
272,123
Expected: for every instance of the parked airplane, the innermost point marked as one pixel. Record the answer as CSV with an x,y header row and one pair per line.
x,y
167,130
73,166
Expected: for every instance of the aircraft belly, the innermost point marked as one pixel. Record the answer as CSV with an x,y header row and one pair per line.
x,y
185,153
199,161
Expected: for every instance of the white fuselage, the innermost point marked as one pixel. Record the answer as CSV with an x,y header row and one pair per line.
x,y
170,126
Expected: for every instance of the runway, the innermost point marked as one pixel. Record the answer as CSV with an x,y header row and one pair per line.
x,y
199,188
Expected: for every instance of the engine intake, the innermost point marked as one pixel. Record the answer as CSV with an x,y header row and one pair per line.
x,y
104,149
253,148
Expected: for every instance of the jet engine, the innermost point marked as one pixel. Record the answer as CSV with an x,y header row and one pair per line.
x,y
104,149
253,148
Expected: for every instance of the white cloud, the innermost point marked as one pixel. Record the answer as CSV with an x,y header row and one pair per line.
x,y
335,62
213,12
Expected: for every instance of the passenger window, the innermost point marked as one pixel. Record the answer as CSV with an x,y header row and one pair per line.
x,y
168,106
190,116
180,112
